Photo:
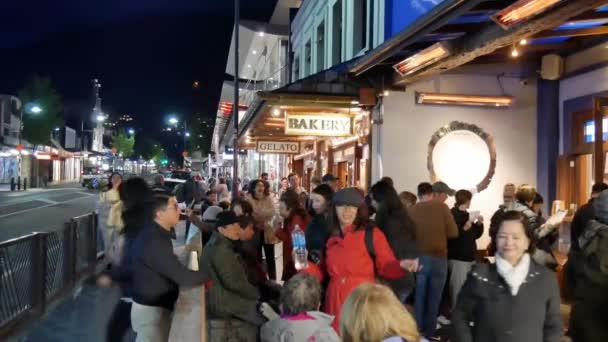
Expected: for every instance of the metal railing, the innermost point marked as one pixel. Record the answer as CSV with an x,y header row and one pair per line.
x,y
37,268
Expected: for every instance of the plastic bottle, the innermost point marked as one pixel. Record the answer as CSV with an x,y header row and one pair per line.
x,y
300,253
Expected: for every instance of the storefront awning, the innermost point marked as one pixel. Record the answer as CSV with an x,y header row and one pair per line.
x,y
332,92
457,32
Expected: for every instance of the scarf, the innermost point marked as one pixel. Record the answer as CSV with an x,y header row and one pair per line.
x,y
513,275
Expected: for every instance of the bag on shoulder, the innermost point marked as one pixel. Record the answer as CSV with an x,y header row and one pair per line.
x,y
594,245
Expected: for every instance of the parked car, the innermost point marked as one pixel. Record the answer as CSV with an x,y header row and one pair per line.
x,y
89,174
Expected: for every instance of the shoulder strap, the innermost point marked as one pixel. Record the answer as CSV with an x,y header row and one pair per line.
x,y
369,244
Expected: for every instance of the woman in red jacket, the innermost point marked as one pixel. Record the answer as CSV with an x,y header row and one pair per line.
x,y
294,215
348,260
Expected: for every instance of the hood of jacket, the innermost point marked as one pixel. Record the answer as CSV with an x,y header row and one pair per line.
x,y
600,204
316,328
592,228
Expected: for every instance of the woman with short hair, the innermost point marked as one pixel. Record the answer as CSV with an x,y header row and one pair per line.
x,y
372,313
514,299
300,318
462,249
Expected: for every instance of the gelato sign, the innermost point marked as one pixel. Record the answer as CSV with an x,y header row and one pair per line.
x,y
278,147
324,125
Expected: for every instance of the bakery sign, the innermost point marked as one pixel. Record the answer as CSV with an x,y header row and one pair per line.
x,y
324,125
278,147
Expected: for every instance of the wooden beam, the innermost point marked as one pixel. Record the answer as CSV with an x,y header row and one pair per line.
x,y
590,16
593,31
493,37
494,5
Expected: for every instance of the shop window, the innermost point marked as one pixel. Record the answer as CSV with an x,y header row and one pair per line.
x,y
307,59
296,69
359,26
336,33
590,130
320,47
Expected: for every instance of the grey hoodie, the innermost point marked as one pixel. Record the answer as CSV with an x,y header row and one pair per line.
x,y
283,330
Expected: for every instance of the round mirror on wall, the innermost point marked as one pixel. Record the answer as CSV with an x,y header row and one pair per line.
x,y
463,156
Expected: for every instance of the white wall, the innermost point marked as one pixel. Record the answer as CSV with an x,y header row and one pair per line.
x,y
407,130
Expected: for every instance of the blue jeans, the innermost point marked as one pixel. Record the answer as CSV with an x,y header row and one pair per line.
x,y
429,289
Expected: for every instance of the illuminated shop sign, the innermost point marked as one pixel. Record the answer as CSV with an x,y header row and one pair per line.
x,y
324,125
278,147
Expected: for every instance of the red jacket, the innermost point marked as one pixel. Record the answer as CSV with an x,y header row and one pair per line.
x,y
349,265
284,234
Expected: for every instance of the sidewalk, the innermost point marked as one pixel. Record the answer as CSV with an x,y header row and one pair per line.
x,y
51,186
84,314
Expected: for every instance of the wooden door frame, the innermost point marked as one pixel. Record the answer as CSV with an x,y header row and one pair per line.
x,y
598,146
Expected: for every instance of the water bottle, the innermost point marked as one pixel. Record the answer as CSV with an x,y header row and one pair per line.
x,y
300,254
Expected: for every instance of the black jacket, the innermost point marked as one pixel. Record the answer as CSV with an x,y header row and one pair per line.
x,y
464,247
317,234
157,273
401,236
583,216
191,192
485,301
400,233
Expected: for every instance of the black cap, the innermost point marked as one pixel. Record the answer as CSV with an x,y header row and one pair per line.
x,y
348,196
226,218
329,178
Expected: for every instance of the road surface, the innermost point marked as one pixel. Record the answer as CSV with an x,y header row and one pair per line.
x,y
22,213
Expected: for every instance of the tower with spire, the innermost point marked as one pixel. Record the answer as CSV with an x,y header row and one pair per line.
x,y
98,117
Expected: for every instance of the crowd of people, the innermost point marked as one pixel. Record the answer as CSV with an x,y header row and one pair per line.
x,y
381,266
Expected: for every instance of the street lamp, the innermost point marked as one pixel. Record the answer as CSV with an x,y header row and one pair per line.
x,y
101,118
187,134
36,110
173,120
131,131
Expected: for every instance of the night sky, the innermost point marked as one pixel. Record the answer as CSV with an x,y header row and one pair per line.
x,y
146,53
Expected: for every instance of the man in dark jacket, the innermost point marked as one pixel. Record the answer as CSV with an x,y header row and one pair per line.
x,y
581,219
231,295
461,250
157,273
192,194
590,308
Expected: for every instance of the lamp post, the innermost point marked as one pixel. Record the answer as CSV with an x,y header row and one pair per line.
x,y
173,120
30,108
235,108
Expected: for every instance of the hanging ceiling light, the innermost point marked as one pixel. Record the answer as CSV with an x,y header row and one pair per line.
x,y
521,10
464,100
514,52
423,58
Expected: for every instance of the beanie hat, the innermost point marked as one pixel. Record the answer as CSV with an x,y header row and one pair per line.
x,y
226,218
348,196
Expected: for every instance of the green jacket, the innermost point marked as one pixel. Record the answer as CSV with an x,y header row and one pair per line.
x,y
230,293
